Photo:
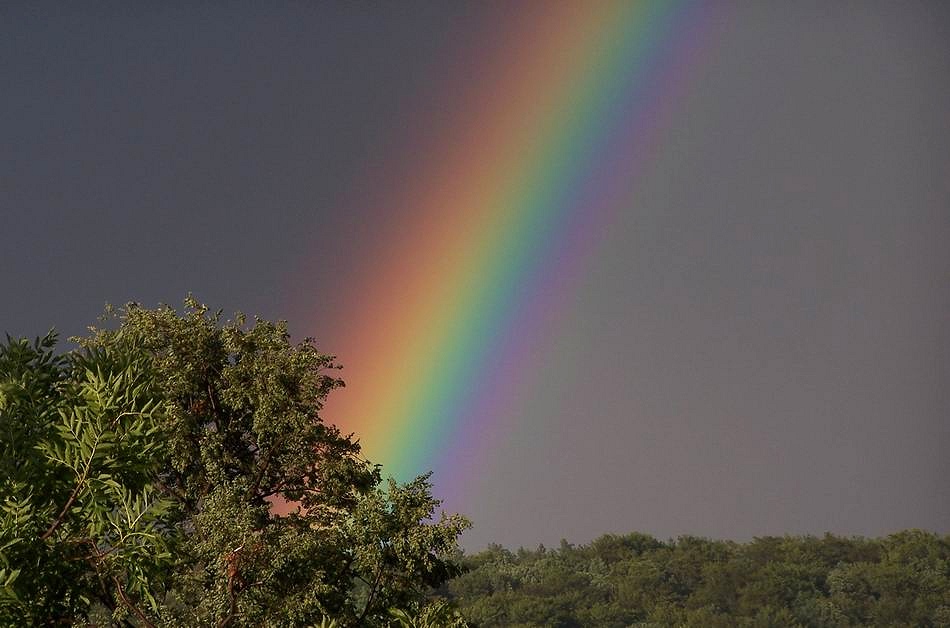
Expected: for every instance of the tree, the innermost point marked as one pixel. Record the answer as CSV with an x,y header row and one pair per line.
x,y
834,582
81,516
142,470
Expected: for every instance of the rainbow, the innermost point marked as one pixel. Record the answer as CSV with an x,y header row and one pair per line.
x,y
506,206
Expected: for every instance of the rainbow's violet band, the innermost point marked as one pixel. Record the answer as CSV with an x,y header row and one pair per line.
x,y
507,214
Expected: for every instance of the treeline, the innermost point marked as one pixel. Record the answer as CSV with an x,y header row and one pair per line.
x,y
139,472
637,580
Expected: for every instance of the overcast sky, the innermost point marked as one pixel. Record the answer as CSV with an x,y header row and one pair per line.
x,y
763,346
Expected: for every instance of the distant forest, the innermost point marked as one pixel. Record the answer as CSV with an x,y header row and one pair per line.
x,y
139,474
637,580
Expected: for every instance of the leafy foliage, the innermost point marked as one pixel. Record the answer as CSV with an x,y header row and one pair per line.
x,y
82,518
635,580
438,614
142,471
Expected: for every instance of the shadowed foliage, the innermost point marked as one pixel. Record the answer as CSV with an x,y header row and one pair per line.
x,y
141,470
636,580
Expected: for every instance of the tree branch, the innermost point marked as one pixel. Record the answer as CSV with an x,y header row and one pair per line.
x,y
72,497
82,478
264,465
372,594
130,605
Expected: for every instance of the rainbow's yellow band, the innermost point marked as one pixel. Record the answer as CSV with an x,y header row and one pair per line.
x,y
563,114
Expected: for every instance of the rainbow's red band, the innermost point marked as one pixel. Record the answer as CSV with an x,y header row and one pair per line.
x,y
507,208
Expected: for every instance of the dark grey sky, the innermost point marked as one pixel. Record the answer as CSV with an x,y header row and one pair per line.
x,y
763,346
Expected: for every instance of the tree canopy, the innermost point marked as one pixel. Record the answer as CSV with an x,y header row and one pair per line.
x,y
902,580
141,470
140,474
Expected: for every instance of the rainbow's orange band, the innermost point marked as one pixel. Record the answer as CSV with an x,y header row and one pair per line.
x,y
548,149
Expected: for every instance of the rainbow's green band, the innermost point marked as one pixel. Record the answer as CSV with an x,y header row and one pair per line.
x,y
506,212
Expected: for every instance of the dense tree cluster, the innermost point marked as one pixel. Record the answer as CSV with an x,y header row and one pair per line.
x,y
139,474
636,580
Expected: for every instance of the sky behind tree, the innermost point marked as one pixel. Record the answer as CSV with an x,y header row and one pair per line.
x,y
757,344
